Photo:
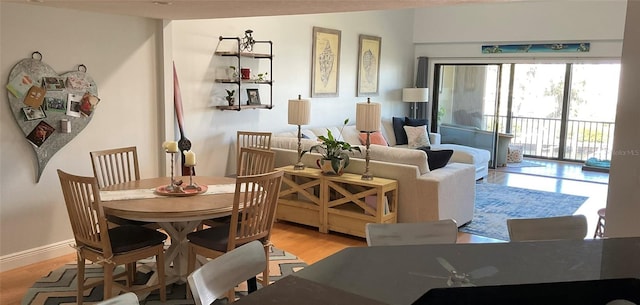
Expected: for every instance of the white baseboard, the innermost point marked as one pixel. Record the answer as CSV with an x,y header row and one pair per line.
x,y
31,256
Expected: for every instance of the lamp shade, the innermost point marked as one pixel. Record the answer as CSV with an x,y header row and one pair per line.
x,y
415,95
368,116
299,111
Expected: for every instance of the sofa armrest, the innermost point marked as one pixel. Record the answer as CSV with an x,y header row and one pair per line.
x,y
435,138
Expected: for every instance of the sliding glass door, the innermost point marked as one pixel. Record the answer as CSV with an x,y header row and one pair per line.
x,y
561,111
465,105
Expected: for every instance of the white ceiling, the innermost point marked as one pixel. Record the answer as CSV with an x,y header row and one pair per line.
x,y
207,9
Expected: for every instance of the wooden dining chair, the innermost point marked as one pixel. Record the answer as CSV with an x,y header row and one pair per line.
x,y
115,166
414,233
548,228
109,247
252,217
254,139
215,278
253,161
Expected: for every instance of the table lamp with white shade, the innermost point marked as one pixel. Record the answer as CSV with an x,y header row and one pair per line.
x,y
415,95
367,120
299,114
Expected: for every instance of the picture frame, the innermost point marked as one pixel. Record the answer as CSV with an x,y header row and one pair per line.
x,y
33,113
53,83
73,105
40,133
369,48
253,97
325,66
55,104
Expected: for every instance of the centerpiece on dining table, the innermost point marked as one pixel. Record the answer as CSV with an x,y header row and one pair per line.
x,y
175,187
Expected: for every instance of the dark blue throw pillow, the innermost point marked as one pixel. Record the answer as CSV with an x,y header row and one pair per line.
x,y
437,158
398,131
416,122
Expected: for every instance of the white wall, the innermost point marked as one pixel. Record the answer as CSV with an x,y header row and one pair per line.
x,y
623,202
120,54
213,132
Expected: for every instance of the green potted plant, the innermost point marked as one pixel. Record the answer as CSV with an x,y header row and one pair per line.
x,y
335,152
230,97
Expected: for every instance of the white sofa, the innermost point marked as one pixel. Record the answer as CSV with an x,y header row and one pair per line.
x,y
423,195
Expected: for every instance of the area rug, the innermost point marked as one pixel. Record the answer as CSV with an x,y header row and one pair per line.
x,y
524,163
497,203
59,286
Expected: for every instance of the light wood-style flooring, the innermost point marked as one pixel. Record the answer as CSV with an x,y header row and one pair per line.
x,y
311,246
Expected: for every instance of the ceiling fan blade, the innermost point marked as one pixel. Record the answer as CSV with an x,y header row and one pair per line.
x,y
445,264
428,275
483,272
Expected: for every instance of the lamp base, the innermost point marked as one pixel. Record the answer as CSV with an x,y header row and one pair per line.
x,y
367,177
299,166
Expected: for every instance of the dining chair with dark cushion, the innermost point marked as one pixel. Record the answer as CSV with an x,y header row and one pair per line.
x,y
115,166
109,247
252,217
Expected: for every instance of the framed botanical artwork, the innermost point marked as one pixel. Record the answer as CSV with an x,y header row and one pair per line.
x,y
253,97
325,68
368,65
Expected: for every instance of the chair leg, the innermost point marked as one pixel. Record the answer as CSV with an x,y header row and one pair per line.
x,y
161,275
265,273
108,280
131,273
191,266
80,279
231,296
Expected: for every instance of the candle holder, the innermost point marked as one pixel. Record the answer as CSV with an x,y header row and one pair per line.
x,y
192,186
172,187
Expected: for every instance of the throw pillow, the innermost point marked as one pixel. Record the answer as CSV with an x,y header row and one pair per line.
x,y
437,158
415,122
376,138
417,136
398,131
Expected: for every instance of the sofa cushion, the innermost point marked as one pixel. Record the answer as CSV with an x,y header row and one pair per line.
x,y
398,155
398,131
417,136
375,138
437,158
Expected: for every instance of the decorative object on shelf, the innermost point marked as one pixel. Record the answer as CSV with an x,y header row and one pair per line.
x,y
232,73
325,68
415,95
368,65
335,153
40,125
262,76
247,42
368,121
299,114
183,143
245,73
253,97
230,97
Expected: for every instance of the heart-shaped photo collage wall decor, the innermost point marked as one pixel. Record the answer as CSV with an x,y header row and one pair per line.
x,y
50,108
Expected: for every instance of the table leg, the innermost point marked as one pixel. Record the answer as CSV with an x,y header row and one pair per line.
x,y
177,253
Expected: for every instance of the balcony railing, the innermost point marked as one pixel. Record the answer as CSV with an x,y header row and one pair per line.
x,y
540,137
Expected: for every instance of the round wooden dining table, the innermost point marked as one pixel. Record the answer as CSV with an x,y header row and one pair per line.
x,y
176,214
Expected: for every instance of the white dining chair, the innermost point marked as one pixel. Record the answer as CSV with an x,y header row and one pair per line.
x,y
215,278
128,298
548,228
415,233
